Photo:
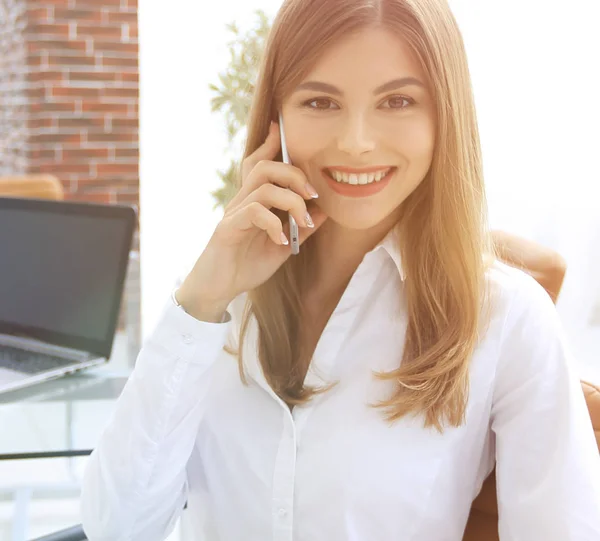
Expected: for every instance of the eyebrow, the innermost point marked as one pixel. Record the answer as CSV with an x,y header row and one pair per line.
x,y
386,87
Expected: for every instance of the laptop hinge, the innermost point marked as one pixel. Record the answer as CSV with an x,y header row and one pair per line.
x,y
31,344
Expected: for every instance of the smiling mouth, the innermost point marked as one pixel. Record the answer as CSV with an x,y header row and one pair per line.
x,y
358,179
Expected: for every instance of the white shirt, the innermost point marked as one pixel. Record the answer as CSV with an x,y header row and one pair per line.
x,y
187,429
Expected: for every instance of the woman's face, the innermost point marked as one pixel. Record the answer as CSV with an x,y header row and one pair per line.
x,y
352,114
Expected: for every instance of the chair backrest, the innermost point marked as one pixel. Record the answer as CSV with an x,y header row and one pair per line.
x,y
483,519
38,186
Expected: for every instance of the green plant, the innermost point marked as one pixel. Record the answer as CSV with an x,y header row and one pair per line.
x,y
234,94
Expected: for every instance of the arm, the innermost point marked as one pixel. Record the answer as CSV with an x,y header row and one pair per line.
x,y
547,462
545,265
135,486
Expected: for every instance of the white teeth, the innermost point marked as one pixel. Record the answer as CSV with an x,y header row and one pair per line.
x,y
363,178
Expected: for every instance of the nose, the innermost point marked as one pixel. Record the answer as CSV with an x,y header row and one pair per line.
x,y
355,137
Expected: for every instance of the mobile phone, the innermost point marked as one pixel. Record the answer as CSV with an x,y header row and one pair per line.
x,y
294,241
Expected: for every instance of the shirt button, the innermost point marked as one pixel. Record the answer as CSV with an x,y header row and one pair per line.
x,y
187,338
282,512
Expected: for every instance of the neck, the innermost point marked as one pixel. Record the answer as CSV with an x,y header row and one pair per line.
x,y
339,251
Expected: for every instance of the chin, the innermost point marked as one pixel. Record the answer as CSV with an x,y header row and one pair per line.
x,y
357,223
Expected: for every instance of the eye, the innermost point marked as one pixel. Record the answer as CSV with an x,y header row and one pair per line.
x,y
324,102
396,102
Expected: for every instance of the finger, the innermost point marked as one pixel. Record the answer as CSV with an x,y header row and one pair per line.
x,y
267,151
319,218
278,173
271,196
257,216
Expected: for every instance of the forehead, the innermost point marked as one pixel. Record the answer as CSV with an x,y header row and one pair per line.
x,y
372,54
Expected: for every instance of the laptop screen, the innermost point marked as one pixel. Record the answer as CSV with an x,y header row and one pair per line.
x,y
62,271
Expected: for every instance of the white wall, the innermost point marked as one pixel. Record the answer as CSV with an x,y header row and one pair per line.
x,y
182,50
534,65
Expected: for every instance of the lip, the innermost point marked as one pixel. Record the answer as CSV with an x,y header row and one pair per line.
x,y
358,171
358,190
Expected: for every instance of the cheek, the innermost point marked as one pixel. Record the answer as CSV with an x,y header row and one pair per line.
x,y
416,139
304,143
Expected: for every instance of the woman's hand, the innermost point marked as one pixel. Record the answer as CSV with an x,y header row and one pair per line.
x,y
247,246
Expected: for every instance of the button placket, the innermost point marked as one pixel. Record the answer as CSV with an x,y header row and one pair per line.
x,y
283,482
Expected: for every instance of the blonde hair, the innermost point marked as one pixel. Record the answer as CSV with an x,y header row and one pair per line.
x,y
443,225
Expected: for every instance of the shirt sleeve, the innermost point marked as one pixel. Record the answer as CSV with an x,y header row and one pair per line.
x,y
547,460
134,486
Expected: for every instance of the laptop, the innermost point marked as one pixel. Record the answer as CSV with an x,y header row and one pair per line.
x,y
62,273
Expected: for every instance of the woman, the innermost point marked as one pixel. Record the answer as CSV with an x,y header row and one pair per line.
x,y
365,388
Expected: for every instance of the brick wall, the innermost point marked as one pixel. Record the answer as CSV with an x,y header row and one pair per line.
x,y
69,103
78,62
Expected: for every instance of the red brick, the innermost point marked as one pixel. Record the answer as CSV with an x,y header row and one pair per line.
x,y
56,138
69,168
46,76
127,153
51,107
38,46
131,62
52,29
121,137
34,60
84,154
128,198
125,123
95,197
94,3
107,108
81,122
118,169
101,33
72,92
123,17
40,14
97,76
86,15
67,61
133,77
120,92
42,154
113,46
37,123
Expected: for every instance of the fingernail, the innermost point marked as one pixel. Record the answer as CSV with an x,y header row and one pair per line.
x,y
308,220
284,239
311,191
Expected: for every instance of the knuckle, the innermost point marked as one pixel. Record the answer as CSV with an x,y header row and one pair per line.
x,y
254,208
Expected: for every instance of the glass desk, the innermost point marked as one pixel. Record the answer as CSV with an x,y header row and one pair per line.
x,y
58,418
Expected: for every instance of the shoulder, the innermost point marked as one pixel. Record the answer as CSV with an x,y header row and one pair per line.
x,y
531,339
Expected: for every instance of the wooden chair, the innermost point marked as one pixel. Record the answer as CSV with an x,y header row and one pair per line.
x,y
38,186
483,519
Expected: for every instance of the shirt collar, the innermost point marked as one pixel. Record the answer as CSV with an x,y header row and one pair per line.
x,y
391,245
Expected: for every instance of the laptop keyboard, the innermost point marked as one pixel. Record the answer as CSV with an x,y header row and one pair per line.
x,y
30,362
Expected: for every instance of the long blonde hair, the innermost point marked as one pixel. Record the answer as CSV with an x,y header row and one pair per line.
x,y
443,224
